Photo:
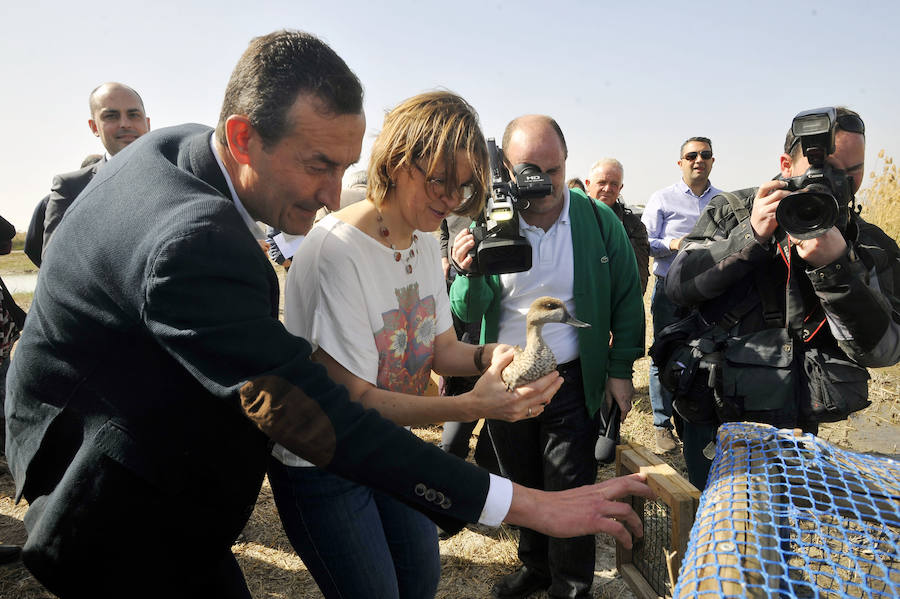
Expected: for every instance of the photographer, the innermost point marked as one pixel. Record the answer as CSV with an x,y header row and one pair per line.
x,y
812,310
580,254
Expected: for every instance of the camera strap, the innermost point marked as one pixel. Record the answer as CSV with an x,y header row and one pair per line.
x,y
738,206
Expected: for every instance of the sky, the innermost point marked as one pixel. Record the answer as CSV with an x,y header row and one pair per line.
x,y
631,80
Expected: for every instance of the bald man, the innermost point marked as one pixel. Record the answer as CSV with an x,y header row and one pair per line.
x,y
581,255
117,118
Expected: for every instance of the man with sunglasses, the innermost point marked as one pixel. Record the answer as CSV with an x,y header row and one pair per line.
x,y
834,297
670,215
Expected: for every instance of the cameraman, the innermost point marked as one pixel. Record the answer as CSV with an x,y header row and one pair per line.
x,y
836,294
581,255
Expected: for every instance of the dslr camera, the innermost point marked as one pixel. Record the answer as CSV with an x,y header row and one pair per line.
x,y
498,246
822,196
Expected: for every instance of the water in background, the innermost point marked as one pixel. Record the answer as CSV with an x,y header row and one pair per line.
x,y
23,283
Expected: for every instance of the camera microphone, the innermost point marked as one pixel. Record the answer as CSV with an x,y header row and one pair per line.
x,y
605,449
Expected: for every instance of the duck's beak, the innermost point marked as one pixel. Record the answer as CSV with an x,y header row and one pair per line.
x,y
571,320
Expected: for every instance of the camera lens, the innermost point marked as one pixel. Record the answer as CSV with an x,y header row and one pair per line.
x,y
807,214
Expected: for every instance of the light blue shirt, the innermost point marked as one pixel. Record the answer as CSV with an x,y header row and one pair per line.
x,y
670,214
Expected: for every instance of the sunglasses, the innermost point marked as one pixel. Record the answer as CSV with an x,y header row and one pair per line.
x,y
850,123
705,155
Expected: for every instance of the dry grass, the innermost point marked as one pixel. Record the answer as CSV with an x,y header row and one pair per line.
x,y
16,263
18,242
881,201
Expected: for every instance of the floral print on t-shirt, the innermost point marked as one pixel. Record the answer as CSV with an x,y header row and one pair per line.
x,y
406,343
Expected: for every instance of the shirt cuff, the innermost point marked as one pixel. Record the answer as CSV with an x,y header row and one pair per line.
x,y
837,273
499,499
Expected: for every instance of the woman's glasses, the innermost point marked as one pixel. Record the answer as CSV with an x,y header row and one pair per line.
x,y
438,187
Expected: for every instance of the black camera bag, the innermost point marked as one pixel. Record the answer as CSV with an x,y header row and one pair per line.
x,y
836,386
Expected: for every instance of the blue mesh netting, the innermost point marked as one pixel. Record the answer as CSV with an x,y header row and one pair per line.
x,y
787,515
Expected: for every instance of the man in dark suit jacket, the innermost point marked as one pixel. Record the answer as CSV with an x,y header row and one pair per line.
x,y
147,389
117,118
34,237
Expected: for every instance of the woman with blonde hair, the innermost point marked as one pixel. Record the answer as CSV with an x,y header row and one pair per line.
x,y
367,290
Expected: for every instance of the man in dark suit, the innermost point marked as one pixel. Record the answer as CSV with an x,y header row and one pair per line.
x,y
117,118
34,237
146,391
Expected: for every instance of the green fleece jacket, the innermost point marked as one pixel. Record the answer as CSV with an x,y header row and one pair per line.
x,y
607,292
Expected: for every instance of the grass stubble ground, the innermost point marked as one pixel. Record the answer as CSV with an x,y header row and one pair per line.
x,y
471,560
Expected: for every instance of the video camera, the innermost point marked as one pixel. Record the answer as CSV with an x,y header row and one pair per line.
x,y
498,246
822,195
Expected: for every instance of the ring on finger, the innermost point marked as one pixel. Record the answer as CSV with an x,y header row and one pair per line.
x,y
529,411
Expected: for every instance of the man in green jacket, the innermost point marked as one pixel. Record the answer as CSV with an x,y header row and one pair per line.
x,y
581,255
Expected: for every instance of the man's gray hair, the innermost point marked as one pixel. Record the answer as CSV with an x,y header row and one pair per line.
x,y
359,178
605,162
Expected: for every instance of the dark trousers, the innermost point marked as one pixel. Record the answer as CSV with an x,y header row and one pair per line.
x,y
455,440
553,451
695,437
128,538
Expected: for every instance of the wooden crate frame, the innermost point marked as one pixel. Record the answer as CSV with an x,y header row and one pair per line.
x,y
676,492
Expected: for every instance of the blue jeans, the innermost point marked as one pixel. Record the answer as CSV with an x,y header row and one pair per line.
x,y
551,452
356,542
663,311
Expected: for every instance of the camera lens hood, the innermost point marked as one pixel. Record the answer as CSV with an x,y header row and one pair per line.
x,y
807,214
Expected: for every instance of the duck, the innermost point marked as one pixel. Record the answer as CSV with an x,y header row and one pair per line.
x,y
537,358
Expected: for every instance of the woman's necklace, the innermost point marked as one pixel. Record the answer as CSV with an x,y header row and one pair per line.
x,y
384,232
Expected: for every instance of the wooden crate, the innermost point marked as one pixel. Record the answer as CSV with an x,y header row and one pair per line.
x,y
681,498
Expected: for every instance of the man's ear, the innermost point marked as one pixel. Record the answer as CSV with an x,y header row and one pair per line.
x,y
238,133
148,123
93,127
785,163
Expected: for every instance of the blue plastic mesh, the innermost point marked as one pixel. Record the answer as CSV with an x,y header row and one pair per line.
x,y
787,515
